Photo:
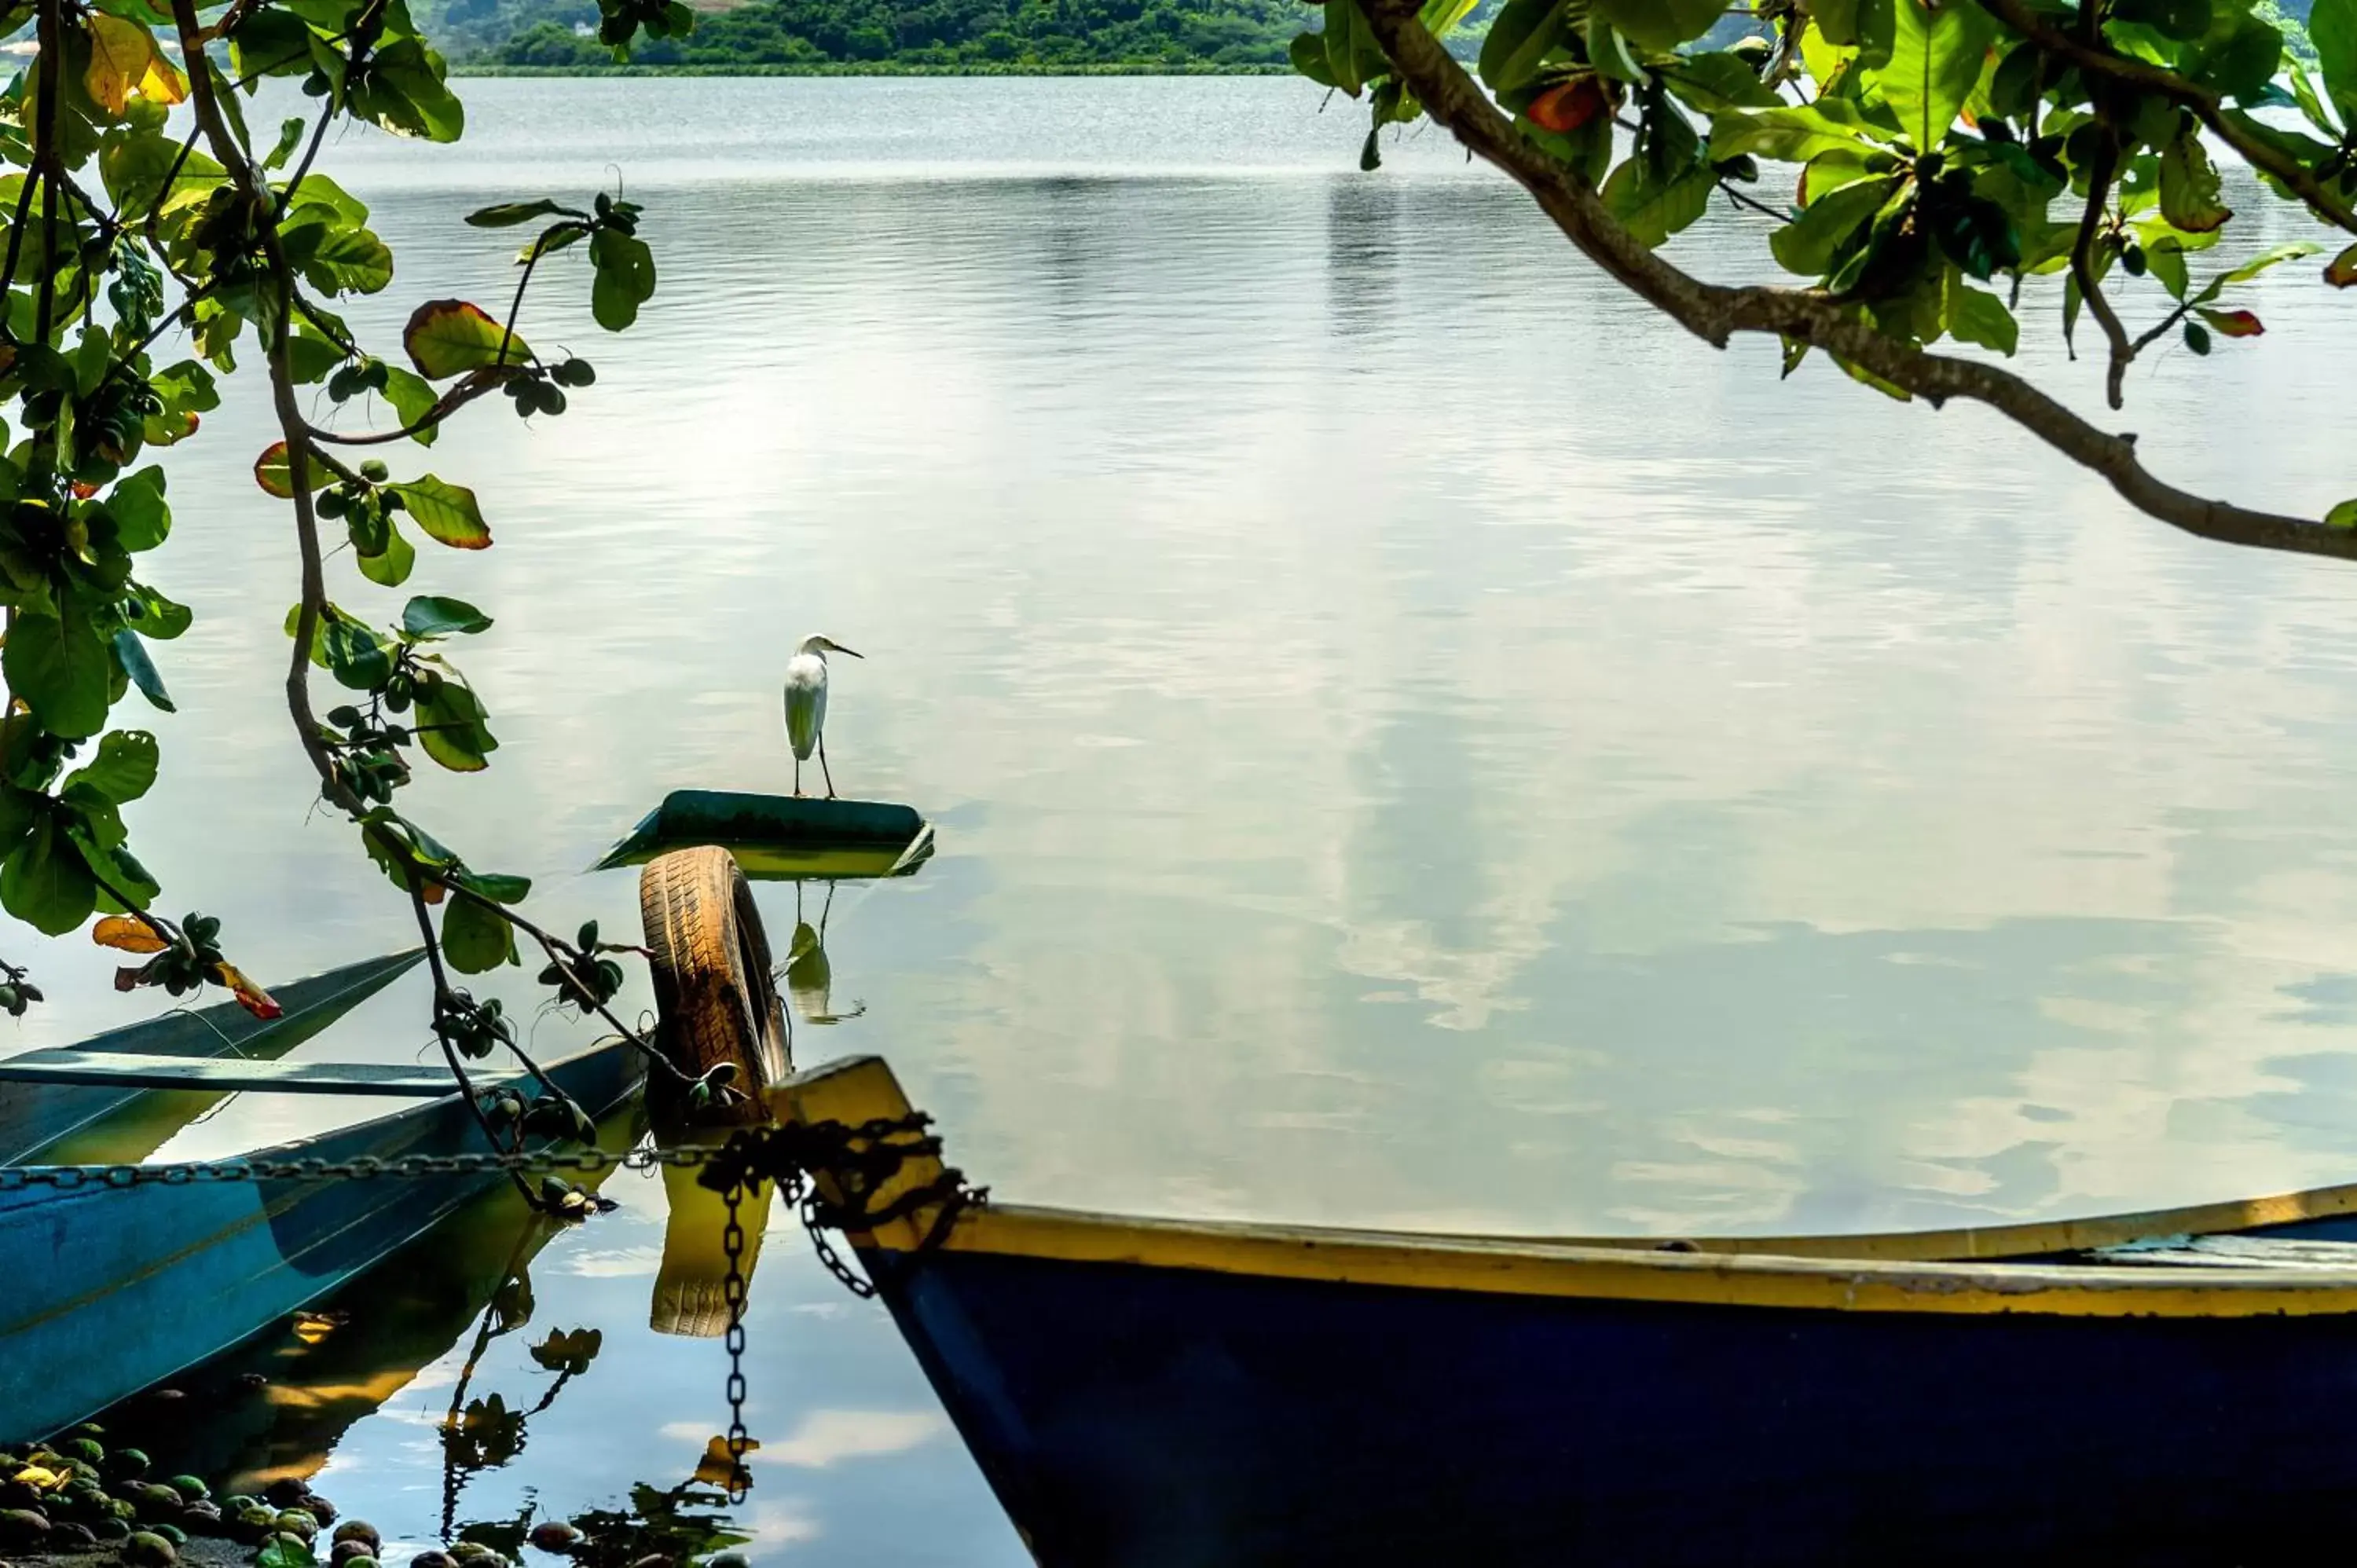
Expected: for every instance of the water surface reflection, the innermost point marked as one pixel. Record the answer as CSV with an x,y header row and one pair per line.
x,y
1415,739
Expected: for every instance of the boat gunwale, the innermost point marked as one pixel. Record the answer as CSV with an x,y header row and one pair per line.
x,y
416,1110
1556,1269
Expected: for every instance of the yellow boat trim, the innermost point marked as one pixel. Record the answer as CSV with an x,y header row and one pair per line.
x,y
1620,1273
1946,1272
2036,1238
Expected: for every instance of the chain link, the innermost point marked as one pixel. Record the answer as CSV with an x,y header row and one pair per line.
x,y
732,1291
364,1167
866,1155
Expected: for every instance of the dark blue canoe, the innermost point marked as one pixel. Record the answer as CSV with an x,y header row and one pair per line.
x,y
111,1289
2175,1388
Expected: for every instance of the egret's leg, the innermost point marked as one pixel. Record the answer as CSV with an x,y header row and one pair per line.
x,y
797,776
823,769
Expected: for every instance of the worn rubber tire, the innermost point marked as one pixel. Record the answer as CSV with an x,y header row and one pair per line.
x,y
713,994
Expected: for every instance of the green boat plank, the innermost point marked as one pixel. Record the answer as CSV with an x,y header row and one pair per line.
x,y
228,1075
783,835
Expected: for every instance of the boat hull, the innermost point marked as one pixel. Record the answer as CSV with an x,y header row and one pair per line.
x,y
112,1289
1152,1417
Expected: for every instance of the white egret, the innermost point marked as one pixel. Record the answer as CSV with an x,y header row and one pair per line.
x,y
806,705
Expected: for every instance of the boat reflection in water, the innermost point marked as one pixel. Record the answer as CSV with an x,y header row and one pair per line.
x,y
277,1405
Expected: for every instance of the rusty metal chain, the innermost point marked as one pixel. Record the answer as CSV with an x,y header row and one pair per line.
x,y
732,1291
366,1167
861,1158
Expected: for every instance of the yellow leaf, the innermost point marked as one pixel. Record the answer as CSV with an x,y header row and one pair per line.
x,y
249,996
717,1469
124,934
124,60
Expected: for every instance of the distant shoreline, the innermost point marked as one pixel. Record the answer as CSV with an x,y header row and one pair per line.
x,y
870,67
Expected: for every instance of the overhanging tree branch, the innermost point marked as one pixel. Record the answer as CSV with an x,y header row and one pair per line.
x,y
1716,313
2207,106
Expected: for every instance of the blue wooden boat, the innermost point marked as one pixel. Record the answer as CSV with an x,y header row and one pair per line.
x,y
2169,1387
113,1288
38,1121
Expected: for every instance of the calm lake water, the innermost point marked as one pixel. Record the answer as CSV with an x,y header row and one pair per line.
x,y
1415,738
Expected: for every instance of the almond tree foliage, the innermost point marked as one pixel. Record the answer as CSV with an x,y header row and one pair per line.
x,y
1939,153
154,238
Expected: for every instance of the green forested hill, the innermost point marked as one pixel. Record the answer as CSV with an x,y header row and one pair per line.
x,y
928,34
921,34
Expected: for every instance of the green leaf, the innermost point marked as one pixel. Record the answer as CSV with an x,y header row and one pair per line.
x,y
446,511
335,256
285,1552
2333,29
46,883
1308,53
356,656
2243,67
413,398
1715,82
391,566
1659,23
2341,273
1519,38
626,271
154,616
449,337
2166,257
132,165
497,886
62,670
1790,135
508,214
2342,516
452,729
141,518
1975,316
2274,255
2189,190
402,91
476,940
275,475
1809,243
1351,56
124,767
290,136
2184,20
131,655
1864,25
1652,209
430,615
1936,62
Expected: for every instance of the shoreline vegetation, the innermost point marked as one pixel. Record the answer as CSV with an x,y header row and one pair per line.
x,y
485,67
944,38
881,37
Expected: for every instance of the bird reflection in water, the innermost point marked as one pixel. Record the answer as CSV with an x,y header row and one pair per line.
x,y
810,978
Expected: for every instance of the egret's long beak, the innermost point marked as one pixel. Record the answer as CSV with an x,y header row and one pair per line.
x,y
853,651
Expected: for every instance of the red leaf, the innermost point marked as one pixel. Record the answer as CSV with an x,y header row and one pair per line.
x,y
1567,106
2234,322
2342,273
249,996
271,473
